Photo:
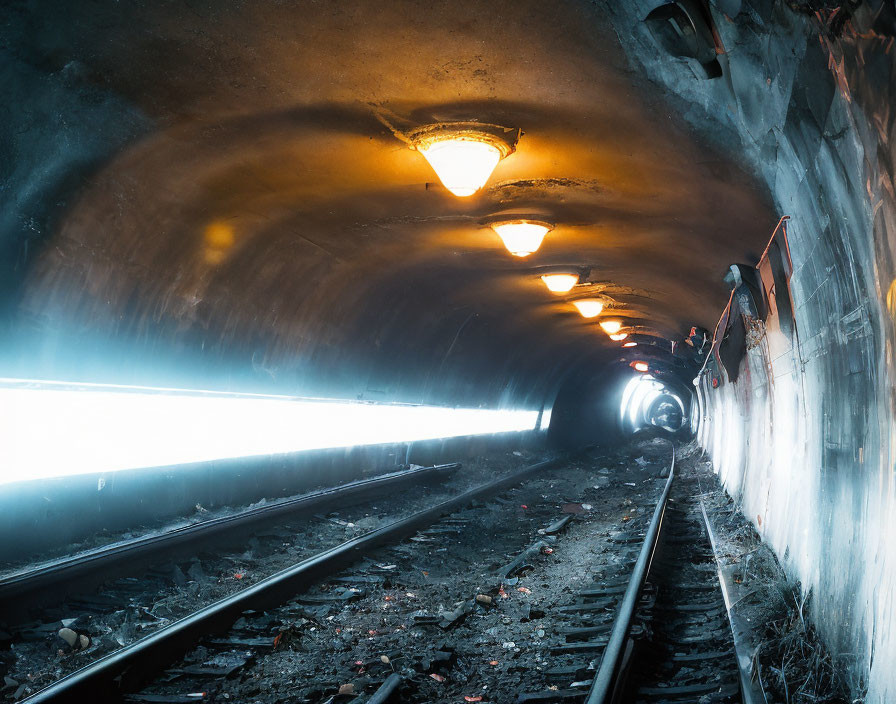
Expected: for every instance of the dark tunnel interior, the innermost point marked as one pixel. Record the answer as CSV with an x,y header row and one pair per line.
x,y
233,270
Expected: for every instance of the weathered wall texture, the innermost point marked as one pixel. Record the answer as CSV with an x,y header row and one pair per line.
x,y
805,437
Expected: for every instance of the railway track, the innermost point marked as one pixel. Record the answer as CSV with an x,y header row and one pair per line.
x,y
669,638
421,655
20,590
123,670
643,622
689,654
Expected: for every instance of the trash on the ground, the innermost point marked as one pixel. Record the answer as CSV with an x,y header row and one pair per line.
x,y
453,618
575,508
437,677
72,641
523,561
348,688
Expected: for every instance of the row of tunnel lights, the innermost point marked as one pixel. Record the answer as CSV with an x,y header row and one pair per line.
x,y
464,158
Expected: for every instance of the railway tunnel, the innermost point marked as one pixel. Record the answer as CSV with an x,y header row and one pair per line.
x,y
253,251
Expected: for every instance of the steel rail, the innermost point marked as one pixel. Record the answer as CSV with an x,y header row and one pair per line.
x,y
750,693
99,564
610,677
110,677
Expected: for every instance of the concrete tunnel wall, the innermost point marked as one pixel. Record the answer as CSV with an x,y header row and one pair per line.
x,y
805,437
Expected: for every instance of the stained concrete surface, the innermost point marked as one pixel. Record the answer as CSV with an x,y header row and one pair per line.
x,y
804,439
204,194
232,210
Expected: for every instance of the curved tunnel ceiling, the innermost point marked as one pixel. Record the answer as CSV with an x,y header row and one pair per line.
x,y
253,219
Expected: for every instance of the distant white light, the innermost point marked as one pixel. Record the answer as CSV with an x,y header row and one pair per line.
x,y
55,429
560,283
640,366
589,307
630,344
640,391
619,336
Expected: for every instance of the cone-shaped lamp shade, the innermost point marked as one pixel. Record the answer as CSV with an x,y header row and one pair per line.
x,y
521,238
560,283
619,336
611,327
640,366
589,307
630,344
462,164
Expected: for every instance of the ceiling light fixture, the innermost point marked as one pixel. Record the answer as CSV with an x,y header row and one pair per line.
x,y
560,283
640,366
464,154
619,336
589,307
630,344
611,327
522,237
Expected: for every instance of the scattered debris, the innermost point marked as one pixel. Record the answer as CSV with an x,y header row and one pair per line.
x,y
72,641
523,561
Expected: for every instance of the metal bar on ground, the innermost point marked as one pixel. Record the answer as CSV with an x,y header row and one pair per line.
x,y
381,695
607,679
109,677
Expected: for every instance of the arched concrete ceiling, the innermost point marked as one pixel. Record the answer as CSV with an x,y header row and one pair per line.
x,y
261,220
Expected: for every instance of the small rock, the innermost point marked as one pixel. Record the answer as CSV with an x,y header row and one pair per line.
x,y
69,636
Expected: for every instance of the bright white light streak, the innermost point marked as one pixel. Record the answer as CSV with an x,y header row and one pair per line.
x,y
55,429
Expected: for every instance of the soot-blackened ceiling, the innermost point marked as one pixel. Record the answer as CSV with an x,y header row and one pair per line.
x,y
216,187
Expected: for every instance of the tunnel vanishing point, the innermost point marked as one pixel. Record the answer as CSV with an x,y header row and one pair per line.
x,y
277,230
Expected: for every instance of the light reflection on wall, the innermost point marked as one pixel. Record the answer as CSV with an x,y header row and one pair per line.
x,y
54,429
639,393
